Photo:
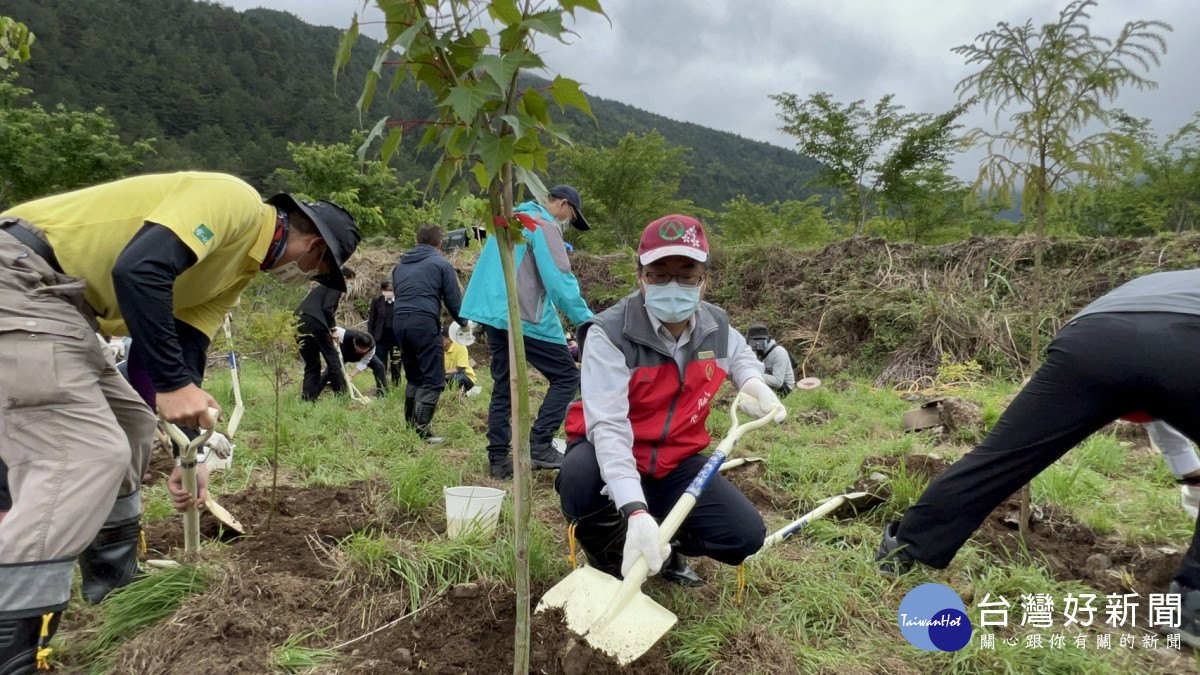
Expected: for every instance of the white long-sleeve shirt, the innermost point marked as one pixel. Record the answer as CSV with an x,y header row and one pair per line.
x,y
365,361
1176,449
604,388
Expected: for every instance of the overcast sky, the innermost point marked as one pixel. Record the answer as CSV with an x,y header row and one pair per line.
x,y
714,62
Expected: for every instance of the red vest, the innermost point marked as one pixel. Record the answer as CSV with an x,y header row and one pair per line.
x,y
667,409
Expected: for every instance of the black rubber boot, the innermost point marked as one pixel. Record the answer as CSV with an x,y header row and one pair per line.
x,y
410,410
20,640
892,558
676,570
1189,615
602,538
501,468
111,560
544,456
425,422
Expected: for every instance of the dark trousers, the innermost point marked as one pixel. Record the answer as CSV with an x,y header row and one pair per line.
x,y
316,343
461,380
376,367
1098,368
387,350
554,362
723,525
421,351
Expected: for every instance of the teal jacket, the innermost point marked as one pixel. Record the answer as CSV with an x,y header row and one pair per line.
x,y
545,282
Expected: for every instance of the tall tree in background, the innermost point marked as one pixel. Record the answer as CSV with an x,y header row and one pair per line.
x,y
43,151
485,127
1053,82
864,150
15,40
367,188
628,185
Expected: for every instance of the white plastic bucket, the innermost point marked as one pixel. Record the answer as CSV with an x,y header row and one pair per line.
x,y
472,508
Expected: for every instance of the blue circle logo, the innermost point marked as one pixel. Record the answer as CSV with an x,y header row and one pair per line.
x,y
932,617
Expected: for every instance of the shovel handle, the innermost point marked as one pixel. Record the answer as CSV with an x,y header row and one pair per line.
x,y
803,521
632,583
188,450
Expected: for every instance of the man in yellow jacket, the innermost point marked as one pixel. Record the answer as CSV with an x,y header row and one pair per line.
x,y
160,258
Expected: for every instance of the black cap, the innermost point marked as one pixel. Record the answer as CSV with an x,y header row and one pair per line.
x,y
757,330
335,225
572,196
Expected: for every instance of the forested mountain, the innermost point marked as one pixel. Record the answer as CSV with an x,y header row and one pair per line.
x,y
225,90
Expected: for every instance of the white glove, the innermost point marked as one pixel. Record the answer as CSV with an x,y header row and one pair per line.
x,y
641,539
219,445
1191,499
762,401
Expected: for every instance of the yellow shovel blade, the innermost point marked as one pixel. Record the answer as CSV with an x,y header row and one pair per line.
x,y
223,515
631,631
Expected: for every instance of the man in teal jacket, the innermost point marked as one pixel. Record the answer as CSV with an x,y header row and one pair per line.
x,y
545,284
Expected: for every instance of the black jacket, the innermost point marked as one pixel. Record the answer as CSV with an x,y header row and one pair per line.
x,y
424,281
349,355
379,320
321,303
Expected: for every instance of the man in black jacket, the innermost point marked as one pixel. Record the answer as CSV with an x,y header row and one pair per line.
x,y
424,281
379,325
359,353
316,314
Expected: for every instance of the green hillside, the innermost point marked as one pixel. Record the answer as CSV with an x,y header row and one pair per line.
x,y
227,91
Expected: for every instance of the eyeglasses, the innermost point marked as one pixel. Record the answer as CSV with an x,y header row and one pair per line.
x,y
658,278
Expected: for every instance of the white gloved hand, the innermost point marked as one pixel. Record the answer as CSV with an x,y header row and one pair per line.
x,y
762,401
219,445
1191,499
641,539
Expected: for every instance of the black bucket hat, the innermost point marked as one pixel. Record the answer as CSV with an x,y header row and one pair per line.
x,y
335,225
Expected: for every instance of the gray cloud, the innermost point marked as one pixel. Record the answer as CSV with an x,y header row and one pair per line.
x,y
715,62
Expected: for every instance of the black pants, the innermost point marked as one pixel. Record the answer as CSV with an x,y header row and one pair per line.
x,y
316,343
554,362
376,367
1098,368
461,380
421,351
723,525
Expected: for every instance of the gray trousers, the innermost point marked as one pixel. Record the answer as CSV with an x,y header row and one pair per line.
x,y
75,436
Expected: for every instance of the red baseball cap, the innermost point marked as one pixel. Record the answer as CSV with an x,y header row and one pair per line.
x,y
673,235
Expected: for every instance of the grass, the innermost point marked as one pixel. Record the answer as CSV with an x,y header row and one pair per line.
x,y
814,599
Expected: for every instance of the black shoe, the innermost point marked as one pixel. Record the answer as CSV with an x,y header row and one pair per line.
x,y
111,560
20,640
892,558
501,469
544,456
1189,615
676,570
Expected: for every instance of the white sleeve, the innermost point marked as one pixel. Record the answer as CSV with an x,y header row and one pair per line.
x,y
743,364
604,389
365,361
1176,449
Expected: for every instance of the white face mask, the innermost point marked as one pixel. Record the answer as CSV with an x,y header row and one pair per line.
x,y
291,274
671,302
389,295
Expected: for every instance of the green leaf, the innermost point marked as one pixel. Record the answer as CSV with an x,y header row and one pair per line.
x,y
523,160
548,23
395,135
566,92
345,46
534,104
451,200
531,181
376,132
505,11
465,101
591,5
497,68
494,152
480,173
368,92
396,14
513,123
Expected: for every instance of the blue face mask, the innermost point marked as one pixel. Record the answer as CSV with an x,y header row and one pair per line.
x,y
672,303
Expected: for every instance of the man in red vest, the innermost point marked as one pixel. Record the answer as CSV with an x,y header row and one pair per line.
x,y
651,365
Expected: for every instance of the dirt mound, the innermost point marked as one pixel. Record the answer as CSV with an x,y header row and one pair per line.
x,y
748,478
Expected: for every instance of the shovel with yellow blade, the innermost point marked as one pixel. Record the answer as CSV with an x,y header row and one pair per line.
x,y
613,615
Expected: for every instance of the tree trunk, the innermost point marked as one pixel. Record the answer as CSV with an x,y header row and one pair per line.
x,y
522,467
1035,320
